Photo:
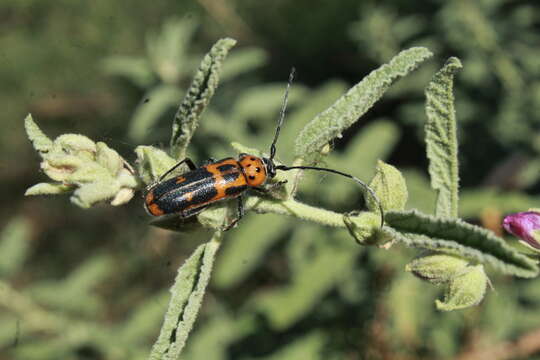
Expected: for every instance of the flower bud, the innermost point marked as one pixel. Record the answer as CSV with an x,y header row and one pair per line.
x,y
91,171
365,228
465,290
390,187
526,226
437,268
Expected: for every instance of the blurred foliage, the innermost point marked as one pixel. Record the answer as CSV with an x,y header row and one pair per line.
x,y
93,284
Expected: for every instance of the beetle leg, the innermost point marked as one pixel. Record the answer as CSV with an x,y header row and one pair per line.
x,y
239,216
210,161
279,183
269,187
194,211
240,208
260,190
191,165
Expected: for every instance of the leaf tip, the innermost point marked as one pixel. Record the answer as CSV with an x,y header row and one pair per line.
x,y
454,63
39,140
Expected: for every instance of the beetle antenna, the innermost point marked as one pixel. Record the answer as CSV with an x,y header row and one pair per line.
x,y
281,115
354,178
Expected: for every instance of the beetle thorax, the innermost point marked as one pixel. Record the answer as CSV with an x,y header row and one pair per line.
x,y
253,168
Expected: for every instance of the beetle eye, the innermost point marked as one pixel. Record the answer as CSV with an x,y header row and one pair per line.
x,y
258,169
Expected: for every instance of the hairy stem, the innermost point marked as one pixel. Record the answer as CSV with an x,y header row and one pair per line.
x,y
302,211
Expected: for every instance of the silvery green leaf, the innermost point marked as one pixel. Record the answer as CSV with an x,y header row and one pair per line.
x,y
364,228
39,140
186,299
75,143
356,102
465,290
167,50
108,158
94,172
390,187
198,97
152,163
437,268
89,194
48,189
454,236
135,69
441,139
154,104
14,245
122,196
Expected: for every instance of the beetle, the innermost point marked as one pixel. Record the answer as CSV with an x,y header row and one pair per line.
x,y
190,193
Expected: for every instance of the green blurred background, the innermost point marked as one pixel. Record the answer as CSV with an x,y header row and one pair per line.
x,y
92,284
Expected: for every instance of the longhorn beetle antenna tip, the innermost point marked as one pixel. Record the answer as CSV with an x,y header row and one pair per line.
x,y
282,114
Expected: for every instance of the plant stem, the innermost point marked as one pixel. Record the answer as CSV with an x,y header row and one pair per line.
x,y
300,210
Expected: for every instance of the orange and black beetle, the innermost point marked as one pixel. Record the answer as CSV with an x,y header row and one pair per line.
x,y
192,192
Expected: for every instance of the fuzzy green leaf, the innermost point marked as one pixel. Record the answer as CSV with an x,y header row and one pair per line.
x,y
154,104
187,294
167,49
198,97
48,189
89,194
356,102
310,346
319,274
221,330
218,217
135,69
14,243
41,142
376,141
364,228
437,268
90,273
454,236
76,144
152,163
259,101
75,291
108,158
95,172
390,187
441,139
144,320
465,290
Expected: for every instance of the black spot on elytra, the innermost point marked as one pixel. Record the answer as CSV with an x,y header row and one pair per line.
x,y
230,177
225,167
235,190
252,177
258,169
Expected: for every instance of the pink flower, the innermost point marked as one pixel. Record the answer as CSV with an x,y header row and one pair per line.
x,y
526,226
